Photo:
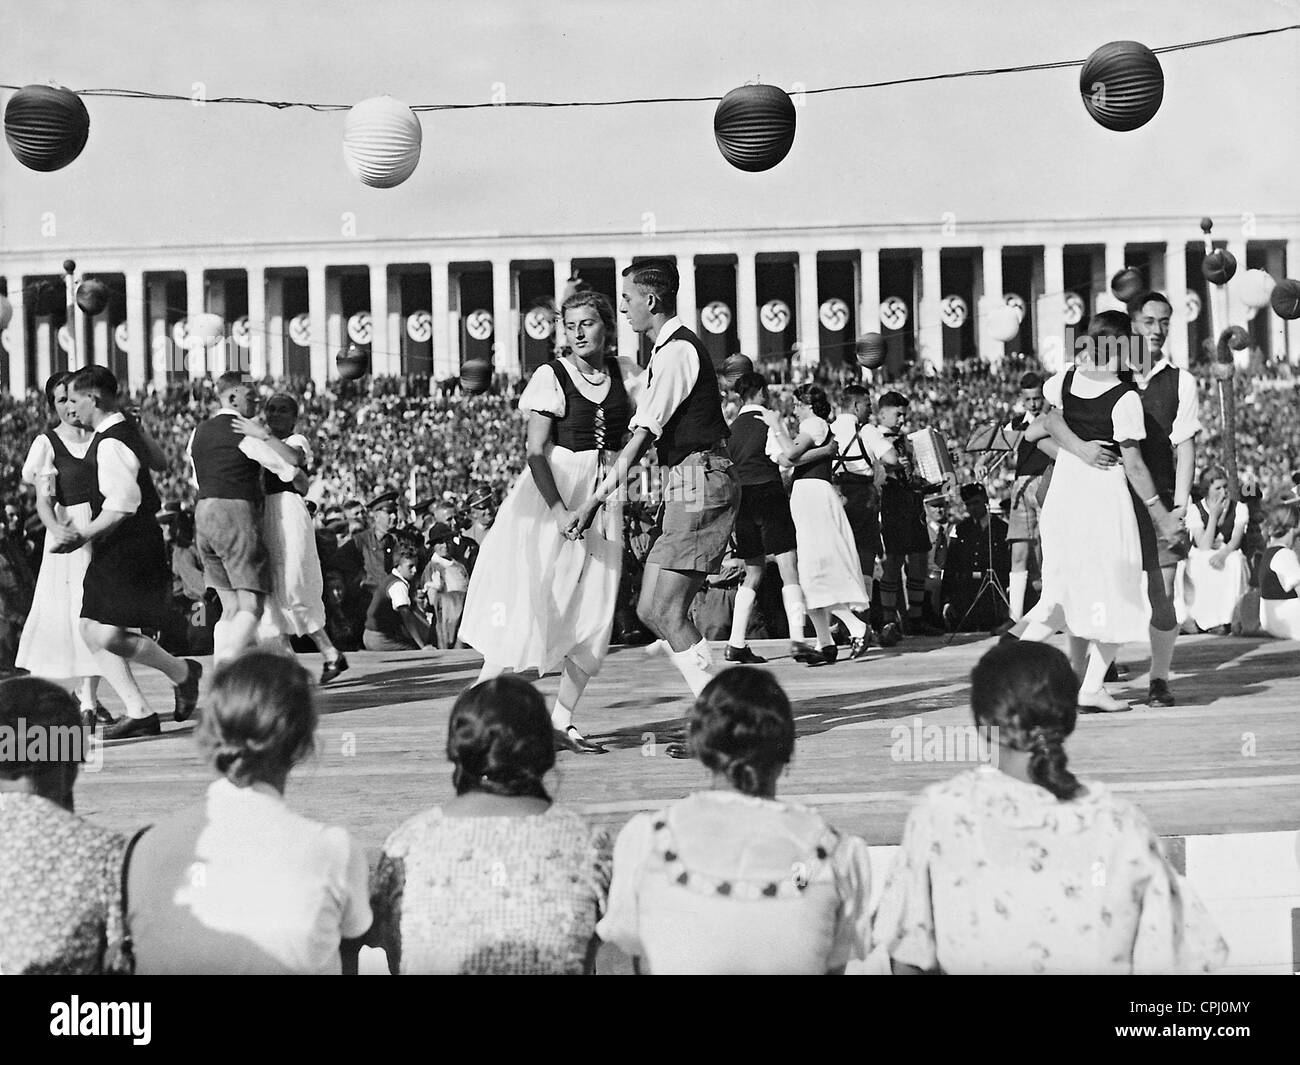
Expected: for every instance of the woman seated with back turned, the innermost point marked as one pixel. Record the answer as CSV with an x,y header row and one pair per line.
x,y
500,879
731,880
1025,869
238,882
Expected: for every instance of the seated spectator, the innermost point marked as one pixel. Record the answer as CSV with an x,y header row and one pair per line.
x,y
500,879
17,585
1279,576
238,882
715,603
1214,577
59,875
394,622
731,880
1023,868
443,585
978,544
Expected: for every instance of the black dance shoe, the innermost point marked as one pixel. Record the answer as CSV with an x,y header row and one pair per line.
x,y
891,635
743,655
187,692
678,750
1159,694
572,740
333,669
128,728
859,645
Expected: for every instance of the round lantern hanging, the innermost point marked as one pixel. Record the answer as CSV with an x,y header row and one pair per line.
x,y
352,363
1122,85
754,127
1285,299
92,297
1126,284
6,313
203,330
1219,266
1003,323
1255,289
871,350
46,126
381,142
476,376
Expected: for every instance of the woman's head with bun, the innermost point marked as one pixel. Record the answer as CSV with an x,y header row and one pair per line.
x,y
259,719
813,397
742,728
1029,693
500,740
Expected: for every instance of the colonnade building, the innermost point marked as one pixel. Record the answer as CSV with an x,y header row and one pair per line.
x,y
790,298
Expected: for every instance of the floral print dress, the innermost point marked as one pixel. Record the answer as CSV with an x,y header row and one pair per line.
x,y
996,875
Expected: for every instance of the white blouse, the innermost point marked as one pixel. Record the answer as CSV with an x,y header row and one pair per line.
x,y
1196,526
39,470
545,395
1127,416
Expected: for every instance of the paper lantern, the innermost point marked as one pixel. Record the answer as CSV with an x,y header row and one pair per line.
x,y
352,363
1126,284
1003,323
6,313
754,127
381,142
1285,300
92,297
1219,266
1122,85
1255,288
476,376
203,331
46,127
871,350
1237,337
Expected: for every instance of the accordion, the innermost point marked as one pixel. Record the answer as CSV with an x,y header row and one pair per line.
x,y
933,463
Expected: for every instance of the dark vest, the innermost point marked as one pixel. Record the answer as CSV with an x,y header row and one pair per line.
x,y
381,617
587,425
1226,524
1031,460
1092,419
130,436
698,424
1160,408
1269,586
75,480
747,447
223,471
819,470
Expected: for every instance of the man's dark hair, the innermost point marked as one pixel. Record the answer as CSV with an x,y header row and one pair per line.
x,y
96,379
1139,301
892,399
751,384
853,393
1031,380
231,379
658,277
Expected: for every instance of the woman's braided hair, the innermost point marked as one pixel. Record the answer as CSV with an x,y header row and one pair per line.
x,y
500,740
742,727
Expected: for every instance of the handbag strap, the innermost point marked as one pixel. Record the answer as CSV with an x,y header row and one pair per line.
x,y
128,944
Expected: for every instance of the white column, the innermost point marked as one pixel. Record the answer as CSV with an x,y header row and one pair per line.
x,y
1113,263
628,342
747,304
809,335
45,341
1236,312
335,332
505,330
1175,287
103,338
164,355
253,359
15,339
446,360
869,292
1292,269
385,358
317,316
687,304
1050,319
195,304
562,270
929,331
137,340
991,292
274,331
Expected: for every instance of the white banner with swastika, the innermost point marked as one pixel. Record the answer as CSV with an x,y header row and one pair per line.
x,y
300,330
1074,308
360,328
539,323
121,336
1016,302
893,313
775,316
953,311
716,317
419,327
241,332
1192,301
478,324
834,314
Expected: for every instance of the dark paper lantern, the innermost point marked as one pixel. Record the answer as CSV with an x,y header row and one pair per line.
x,y
1219,266
1237,337
92,297
1126,284
871,350
754,127
352,364
476,377
1122,85
1286,299
46,127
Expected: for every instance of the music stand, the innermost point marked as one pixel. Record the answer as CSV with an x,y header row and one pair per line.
x,y
984,440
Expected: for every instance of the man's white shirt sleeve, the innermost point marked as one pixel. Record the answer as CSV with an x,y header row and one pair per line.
x,y
118,470
268,458
673,372
1186,422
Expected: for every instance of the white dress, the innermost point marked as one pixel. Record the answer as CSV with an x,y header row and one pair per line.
x,y
296,605
51,645
1281,617
1207,595
1093,584
536,597
830,572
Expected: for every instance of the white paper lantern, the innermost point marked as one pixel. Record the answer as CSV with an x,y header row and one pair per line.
x,y
1255,288
381,142
1004,323
203,330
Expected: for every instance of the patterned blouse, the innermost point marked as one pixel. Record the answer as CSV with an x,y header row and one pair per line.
x,y
996,875
490,895
60,907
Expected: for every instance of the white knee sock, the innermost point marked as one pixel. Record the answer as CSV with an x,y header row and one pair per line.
x,y
796,613
745,598
857,628
1037,632
1018,584
118,673
694,664
821,619
1162,652
1100,656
